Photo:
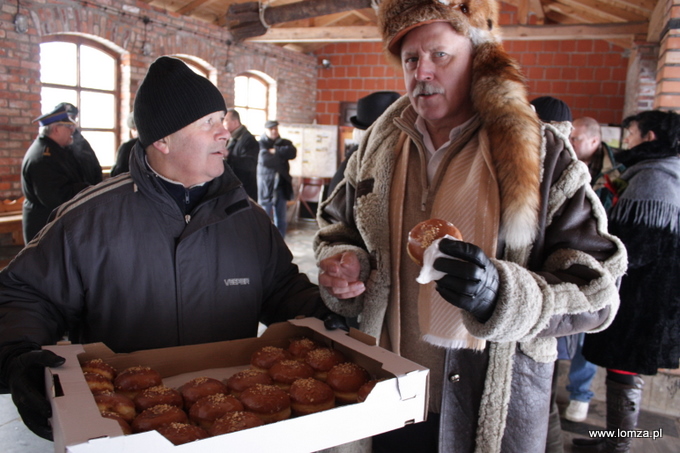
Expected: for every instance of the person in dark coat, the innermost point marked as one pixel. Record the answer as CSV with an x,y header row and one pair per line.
x,y
50,172
82,150
172,253
274,183
243,151
645,334
369,109
122,163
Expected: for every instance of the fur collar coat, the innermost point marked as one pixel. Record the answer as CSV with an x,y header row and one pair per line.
x,y
558,278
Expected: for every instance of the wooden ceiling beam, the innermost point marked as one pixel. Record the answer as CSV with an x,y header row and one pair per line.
x,y
510,33
606,11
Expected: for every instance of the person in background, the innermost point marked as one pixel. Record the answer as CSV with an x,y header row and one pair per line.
x,y
274,183
644,335
536,261
369,108
82,150
50,172
172,253
591,150
122,163
243,150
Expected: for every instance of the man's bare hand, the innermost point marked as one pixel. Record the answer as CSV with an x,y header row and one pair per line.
x,y
339,274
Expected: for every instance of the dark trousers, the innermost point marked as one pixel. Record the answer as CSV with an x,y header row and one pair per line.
x,y
417,438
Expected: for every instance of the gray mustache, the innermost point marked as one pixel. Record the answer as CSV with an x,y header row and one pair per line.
x,y
426,88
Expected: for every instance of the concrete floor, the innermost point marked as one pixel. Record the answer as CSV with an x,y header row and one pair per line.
x,y
660,410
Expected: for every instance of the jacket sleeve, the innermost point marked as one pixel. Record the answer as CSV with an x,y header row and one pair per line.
x,y
338,233
569,283
39,292
290,293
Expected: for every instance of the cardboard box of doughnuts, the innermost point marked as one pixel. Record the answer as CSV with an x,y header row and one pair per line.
x,y
399,398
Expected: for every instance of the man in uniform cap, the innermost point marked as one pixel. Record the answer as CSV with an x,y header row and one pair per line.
x,y
171,253
82,150
50,172
369,109
536,261
274,183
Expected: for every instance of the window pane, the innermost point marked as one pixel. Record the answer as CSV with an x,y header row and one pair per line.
x,y
97,110
103,144
58,63
50,97
241,91
97,69
254,121
257,94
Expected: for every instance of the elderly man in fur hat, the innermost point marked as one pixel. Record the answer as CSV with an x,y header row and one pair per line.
x,y
536,261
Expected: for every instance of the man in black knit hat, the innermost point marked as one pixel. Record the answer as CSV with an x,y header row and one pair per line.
x,y
172,253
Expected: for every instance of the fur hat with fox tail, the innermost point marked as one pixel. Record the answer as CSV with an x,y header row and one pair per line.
x,y
498,96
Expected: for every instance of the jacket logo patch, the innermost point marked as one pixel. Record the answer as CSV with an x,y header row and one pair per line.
x,y
236,281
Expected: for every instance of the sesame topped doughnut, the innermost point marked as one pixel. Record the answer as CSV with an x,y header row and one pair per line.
x,y
182,433
200,387
310,395
115,402
268,402
345,379
299,347
158,394
235,421
100,367
243,379
98,383
323,359
265,357
285,372
157,416
208,409
133,380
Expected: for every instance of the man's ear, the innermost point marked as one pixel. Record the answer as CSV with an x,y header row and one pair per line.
x,y
162,145
649,137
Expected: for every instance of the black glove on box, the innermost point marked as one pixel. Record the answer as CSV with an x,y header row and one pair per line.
x,y
23,373
471,280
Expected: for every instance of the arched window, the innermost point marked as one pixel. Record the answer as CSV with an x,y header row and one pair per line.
x,y
253,100
84,73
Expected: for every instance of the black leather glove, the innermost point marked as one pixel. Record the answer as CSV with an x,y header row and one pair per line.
x,y
24,374
471,282
334,321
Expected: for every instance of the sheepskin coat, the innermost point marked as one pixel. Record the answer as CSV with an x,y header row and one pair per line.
x,y
561,283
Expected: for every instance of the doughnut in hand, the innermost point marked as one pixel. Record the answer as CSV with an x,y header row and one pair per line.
x,y
425,233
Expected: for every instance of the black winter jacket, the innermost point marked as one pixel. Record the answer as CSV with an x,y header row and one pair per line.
x,y
243,150
50,175
120,264
645,334
273,170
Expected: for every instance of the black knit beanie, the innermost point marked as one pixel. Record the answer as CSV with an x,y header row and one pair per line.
x,y
551,109
171,97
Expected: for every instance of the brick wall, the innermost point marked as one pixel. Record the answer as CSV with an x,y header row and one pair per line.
x,y
121,27
589,75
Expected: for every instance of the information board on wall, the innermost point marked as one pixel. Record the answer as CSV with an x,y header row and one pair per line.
x,y
611,135
317,149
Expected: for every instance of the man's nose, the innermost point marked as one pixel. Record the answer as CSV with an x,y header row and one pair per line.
x,y
424,71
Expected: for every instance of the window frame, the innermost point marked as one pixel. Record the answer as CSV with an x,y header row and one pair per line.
x,y
79,40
